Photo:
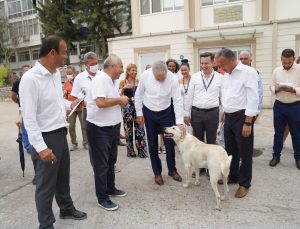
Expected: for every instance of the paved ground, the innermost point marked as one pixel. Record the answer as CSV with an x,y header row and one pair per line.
x,y
273,201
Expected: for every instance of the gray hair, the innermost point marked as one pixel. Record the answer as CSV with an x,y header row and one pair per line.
x,y
159,67
111,60
246,53
228,54
72,67
90,56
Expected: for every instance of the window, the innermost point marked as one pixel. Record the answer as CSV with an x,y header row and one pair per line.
x,y
24,56
13,58
27,7
35,54
31,27
84,48
2,9
15,30
213,2
150,58
155,6
14,8
73,49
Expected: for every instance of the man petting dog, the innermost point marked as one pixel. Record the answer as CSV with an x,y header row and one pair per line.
x,y
239,100
153,96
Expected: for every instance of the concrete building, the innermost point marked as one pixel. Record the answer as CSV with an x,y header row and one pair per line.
x,y
185,28
26,27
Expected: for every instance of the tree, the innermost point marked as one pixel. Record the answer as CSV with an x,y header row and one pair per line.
x,y
85,20
9,39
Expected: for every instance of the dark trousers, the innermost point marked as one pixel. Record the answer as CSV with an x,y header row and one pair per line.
x,y
155,123
283,114
104,149
205,123
83,117
53,179
241,149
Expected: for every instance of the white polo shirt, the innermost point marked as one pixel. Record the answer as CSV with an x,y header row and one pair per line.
x,y
81,84
102,86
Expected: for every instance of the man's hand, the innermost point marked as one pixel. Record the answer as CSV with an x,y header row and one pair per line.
x,y
246,131
222,119
182,130
123,100
74,103
47,155
140,120
279,88
187,120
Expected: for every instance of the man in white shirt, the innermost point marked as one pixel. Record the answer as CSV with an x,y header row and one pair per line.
x,y
240,104
44,114
203,100
286,87
103,129
83,81
153,96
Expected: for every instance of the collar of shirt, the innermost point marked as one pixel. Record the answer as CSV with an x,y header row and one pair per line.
x,y
239,67
44,71
203,75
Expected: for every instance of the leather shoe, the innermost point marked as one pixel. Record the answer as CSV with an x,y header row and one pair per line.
x,y
298,164
274,161
175,176
158,180
72,214
241,192
229,181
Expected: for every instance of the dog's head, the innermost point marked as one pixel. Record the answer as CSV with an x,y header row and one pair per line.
x,y
172,132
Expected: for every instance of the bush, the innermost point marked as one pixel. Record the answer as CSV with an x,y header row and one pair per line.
x,y
4,70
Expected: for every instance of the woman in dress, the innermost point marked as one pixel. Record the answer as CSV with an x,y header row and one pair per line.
x,y
128,87
184,85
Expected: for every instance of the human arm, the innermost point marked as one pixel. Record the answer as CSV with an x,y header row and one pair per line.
x,y
139,98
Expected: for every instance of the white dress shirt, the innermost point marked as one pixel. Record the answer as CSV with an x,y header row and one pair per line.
x,y
103,86
156,95
203,96
240,90
292,76
82,84
43,106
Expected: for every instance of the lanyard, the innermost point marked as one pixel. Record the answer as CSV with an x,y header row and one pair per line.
x,y
187,87
206,87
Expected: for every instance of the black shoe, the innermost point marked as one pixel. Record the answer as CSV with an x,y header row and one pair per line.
x,y
108,205
72,214
298,164
117,193
274,161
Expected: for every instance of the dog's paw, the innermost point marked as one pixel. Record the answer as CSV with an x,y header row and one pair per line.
x,y
185,185
197,183
224,198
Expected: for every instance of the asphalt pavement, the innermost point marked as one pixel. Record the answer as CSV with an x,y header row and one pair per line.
x,y
272,202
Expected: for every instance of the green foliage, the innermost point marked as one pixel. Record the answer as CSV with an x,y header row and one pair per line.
x,y
85,20
4,70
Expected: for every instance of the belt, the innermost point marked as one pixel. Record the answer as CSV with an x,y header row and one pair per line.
x,y
111,127
60,130
233,114
205,110
287,104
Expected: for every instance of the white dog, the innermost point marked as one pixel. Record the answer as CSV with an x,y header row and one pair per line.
x,y
196,154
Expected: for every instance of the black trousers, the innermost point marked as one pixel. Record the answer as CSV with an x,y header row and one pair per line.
x,y
205,123
241,149
155,122
104,148
52,179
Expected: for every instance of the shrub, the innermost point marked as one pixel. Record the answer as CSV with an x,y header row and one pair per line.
x,y
4,70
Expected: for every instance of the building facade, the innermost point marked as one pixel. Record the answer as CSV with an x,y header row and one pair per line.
x,y
180,29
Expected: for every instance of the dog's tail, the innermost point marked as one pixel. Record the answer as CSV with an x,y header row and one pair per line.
x,y
226,166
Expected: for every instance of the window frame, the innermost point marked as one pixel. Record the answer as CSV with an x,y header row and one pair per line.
x,y
161,7
220,3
